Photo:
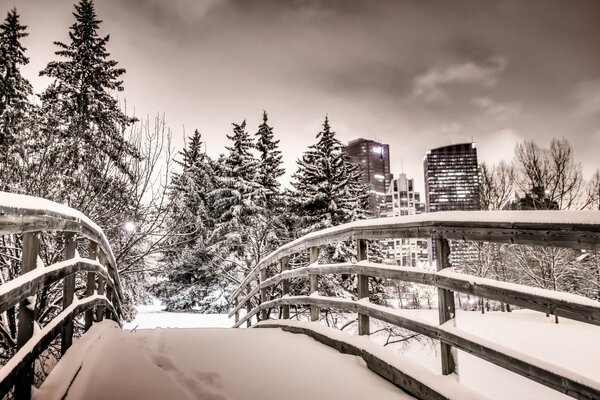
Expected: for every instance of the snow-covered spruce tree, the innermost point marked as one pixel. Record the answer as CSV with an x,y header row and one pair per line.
x,y
188,275
236,204
15,90
270,164
84,120
329,193
84,158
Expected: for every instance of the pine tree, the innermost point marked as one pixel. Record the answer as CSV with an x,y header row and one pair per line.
x,y
236,203
329,193
81,111
270,166
191,277
328,186
15,90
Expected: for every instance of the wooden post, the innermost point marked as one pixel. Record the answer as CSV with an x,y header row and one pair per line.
x,y
445,304
237,313
263,292
248,305
101,287
24,381
68,294
363,287
91,284
109,296
314,283
285,287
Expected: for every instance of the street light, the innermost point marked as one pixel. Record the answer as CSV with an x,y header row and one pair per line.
x,y
129,226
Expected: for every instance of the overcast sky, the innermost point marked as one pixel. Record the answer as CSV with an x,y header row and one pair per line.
x,y
415,74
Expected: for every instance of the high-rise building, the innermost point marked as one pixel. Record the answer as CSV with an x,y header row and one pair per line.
x,y
452,178
374,161
401,199
452,183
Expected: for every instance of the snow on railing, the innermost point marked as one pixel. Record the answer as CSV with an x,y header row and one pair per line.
x,y
568,229
30,216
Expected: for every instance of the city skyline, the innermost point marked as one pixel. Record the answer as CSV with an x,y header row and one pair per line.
x,y
408,74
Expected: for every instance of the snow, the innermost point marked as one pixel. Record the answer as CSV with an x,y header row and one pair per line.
x,y
29,346
209,363
152,316
21,202
569,347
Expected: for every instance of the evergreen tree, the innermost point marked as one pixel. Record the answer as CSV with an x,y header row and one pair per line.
x,y
191,278
329,193
270,166
15,90
236,204
80,111
328,187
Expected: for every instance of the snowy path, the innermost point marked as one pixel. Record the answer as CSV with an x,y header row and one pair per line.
x,y
210,364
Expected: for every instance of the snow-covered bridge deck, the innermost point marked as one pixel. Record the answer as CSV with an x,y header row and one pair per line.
x,y
179,364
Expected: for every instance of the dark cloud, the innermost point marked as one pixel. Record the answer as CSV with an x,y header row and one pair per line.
x,y
414,73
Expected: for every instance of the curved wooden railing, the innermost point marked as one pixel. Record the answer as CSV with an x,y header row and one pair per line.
x,y
577,230
30,217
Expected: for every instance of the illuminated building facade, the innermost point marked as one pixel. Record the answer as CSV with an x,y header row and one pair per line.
x,y
401,199
374,161
452,178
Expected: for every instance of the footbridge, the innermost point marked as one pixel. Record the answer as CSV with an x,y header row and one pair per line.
x,y
284,354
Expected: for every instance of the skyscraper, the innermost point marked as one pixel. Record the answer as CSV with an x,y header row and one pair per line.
x,y
452,183
452,178
374,161
401,199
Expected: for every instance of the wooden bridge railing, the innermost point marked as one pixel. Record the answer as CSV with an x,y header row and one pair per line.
x,y
30,217
576,230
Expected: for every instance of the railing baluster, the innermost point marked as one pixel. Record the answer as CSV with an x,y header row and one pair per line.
x,y
363,287
263,292
285,287
31,245
68,293
445,304
314,283
90,284
109,296
101,286
248,305
237,312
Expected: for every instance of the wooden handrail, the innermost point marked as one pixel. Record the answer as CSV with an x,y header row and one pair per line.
x,y
25,356
30,216
577,230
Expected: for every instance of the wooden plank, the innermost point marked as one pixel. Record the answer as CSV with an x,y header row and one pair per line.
x,y
263,293
237,311
24,381
32,284
68,294
110,297
314,283
90,288
285,287
445,305
518,295
363,287
241,303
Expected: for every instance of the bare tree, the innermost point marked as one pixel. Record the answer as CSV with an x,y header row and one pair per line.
x,y
551,175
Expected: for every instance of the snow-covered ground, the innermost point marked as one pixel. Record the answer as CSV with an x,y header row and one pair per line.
x,y
270,364
153,316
